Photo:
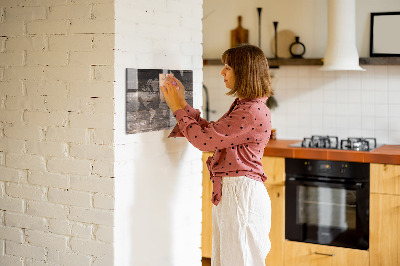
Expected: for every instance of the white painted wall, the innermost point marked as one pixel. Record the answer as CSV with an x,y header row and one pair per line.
x,y
158,180
305,18
56,132
344,103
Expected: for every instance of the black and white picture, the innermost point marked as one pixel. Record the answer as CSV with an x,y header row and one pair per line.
x,y
146,109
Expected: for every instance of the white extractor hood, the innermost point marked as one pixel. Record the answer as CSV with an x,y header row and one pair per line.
x,y
341,51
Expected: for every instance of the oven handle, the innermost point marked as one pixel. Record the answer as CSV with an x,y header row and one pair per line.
x,y
357,185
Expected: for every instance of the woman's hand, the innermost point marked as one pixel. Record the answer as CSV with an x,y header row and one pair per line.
x,y
174,91
181,91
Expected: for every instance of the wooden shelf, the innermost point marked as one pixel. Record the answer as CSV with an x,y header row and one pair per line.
x,y
274,63
380,61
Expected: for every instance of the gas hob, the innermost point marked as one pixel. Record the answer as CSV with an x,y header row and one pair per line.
x,y
332,142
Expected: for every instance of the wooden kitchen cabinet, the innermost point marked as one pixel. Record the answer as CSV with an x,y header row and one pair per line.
x,y
277,233
305,254
274,168
384,237
206,225
385,178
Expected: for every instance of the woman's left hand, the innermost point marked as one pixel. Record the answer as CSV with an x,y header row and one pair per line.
x,y
171,95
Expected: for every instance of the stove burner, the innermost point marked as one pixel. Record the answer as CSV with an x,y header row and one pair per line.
x,y
328,142
358,144
332,142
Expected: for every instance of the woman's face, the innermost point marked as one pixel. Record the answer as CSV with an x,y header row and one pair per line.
x,y
229,76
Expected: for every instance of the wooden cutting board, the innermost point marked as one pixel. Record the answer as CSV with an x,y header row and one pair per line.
x,y
239,35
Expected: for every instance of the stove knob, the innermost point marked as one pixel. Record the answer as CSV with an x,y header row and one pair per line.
x,y
343,168
308,166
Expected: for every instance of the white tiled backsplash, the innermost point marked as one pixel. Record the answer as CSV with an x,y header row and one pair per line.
x,y
339,103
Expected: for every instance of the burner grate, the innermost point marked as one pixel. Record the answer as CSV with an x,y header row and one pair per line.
x,y
327,142
358,144
332,142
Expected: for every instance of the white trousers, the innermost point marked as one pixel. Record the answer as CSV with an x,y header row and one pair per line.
x,y
241,223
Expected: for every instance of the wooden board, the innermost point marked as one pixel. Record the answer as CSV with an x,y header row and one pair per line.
x,y
277,233
206,225
385,178
304,254
239,35
384,236
274,168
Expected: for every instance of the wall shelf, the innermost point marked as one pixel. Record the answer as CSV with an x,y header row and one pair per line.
x,y
380,61
274,63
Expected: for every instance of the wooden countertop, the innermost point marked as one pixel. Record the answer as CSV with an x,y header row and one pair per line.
x,y
389,154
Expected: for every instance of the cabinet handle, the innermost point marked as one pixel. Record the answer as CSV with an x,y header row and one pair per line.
x,y
324,254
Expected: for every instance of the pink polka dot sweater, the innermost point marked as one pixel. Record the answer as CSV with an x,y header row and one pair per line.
x,y
238,139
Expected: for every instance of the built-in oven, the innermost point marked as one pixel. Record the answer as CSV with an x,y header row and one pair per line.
x,y
327,202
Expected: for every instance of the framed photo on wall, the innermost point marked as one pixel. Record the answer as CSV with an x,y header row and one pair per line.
x,y
385,34
146,109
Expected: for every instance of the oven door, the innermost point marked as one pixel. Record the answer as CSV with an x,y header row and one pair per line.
x,y
327,213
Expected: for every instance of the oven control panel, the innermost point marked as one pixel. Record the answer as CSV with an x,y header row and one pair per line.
x,y
338,169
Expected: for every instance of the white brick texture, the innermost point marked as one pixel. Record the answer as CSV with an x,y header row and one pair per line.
x,y
48,179
69,166
62,80
10,174
48,210
103,202
25,250
69,197
46,240
12,234
24,221
104,233
94,216
91,247
68,258
11,204
56,131
26,191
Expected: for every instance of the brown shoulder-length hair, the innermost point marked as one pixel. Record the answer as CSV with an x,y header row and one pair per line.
x,y
250,66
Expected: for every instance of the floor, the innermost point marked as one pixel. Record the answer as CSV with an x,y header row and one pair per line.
x,y
206,261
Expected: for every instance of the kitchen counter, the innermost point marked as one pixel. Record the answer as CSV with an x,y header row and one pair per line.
x,y
388,154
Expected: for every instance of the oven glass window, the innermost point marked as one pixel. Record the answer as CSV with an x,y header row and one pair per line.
x,y
326,207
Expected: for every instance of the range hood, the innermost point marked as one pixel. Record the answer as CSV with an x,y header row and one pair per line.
x,y
341,51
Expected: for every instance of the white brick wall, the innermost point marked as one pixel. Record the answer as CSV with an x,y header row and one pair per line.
x,y
56,132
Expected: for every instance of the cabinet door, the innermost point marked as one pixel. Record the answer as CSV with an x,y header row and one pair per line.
x,y
274,168
385,178
206,226
277,233
384,230
304,254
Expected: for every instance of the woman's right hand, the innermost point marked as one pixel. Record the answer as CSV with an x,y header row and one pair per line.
x,y
181,90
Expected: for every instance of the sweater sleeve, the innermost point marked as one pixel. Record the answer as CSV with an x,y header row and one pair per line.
x,y
229,131
193,113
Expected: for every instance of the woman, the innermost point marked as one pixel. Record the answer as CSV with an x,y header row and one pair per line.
x,y
242,208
